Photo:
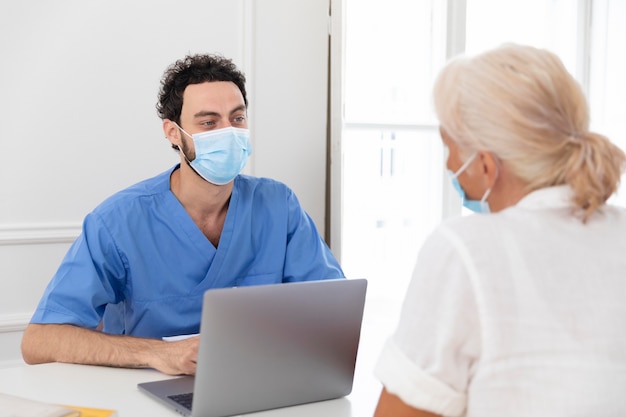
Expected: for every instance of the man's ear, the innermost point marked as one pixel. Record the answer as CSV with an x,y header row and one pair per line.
x,y
489,165
172,132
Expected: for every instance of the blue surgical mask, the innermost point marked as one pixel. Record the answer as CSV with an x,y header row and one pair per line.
x,y
220,154
477,206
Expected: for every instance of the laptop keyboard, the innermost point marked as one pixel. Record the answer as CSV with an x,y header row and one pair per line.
x,y
183,399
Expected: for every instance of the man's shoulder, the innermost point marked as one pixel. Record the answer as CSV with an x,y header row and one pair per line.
x,y
251,184
260,181
137,193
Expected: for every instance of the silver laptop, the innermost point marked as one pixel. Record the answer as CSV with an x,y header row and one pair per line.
x,y
270,346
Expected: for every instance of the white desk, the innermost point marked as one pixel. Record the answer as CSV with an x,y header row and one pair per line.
x,y
114,388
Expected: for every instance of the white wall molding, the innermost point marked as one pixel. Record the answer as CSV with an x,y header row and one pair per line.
x,y
38,233
11,330
11,363
13,322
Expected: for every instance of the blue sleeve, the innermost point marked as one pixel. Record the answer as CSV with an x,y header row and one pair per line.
x,y
88,279
307,257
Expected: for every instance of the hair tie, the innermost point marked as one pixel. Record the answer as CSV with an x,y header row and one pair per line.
x,y
576,136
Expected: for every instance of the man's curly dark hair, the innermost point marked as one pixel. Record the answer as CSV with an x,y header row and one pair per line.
x,y
194,69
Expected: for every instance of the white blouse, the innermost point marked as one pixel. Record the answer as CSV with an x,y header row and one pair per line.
x,y
516,313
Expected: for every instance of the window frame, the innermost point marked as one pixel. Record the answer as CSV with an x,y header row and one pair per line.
x,y
454,33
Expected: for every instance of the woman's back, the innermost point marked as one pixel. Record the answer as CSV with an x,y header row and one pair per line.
x,y
520,312
550,292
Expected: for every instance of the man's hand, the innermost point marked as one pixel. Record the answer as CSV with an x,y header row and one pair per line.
x,y
175,358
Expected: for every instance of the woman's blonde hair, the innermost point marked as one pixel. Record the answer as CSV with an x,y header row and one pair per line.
x,y
521,104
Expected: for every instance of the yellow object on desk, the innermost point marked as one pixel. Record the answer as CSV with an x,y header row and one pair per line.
x,y
92,412
24,407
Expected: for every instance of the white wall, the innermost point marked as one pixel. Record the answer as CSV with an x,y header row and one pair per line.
x,y
79,82
291,77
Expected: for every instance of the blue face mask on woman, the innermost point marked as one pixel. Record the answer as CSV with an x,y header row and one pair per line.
x,y
477,206
220,154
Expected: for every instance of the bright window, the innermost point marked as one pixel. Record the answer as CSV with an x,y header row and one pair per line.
x,y
391,153
607,85
394,186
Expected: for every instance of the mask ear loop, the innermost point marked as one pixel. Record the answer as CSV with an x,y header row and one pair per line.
x,y
465,165
485,196
180,148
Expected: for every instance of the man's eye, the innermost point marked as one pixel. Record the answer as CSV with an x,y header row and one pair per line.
x,y
240,119
208,123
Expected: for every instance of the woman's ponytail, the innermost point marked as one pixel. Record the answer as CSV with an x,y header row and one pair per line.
x,y
593,170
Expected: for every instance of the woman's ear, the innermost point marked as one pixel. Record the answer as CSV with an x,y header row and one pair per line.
x,y
490,168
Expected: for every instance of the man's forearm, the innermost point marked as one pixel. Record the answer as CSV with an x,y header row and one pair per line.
x,y
44,343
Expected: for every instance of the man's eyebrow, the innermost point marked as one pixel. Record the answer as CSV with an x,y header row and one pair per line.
x,y
238,109
205,113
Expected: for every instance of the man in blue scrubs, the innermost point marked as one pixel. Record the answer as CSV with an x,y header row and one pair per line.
x,y
147,254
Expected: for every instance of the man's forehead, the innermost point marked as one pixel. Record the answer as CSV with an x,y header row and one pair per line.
x,y
218,94
212,87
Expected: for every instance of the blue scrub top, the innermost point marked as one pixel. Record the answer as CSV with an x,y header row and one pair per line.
x,y
142,265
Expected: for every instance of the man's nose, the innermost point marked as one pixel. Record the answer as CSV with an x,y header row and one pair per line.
x,y
224,123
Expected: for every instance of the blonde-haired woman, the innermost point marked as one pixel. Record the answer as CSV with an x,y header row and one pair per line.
x,y
520,312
